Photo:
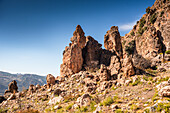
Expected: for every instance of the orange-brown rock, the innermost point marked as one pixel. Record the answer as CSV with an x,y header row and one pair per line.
x,y
50,80
12,87
127,67
104,73
112,41
91,53
115,65
72,55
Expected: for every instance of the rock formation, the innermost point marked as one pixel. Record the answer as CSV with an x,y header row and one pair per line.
x,y
100,80
112,41
12,87
50,80
91,53
72,55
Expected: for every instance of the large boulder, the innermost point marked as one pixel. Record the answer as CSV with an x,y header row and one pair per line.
x,y
12,87
115,65
50,80
127,67
72,55
112,41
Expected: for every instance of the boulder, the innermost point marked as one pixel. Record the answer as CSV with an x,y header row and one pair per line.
x,y
57,92
55,100
115,65
127,67
32,88
104,73
84,100
12,87
50,80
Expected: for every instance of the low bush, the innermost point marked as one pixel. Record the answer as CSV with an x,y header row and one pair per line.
x,y
108,101
142,22
153,18
130,47
167,52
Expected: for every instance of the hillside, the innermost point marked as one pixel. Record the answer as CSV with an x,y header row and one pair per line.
x,y
131,75
23,80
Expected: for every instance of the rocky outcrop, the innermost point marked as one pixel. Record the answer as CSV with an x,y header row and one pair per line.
x,y
72,55
104,73
91,53
112,41
12,87
115,65
127,67
50,80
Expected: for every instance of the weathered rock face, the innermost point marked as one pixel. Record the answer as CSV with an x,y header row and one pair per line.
x,y
115,65
12,87
72,55
112,41
127,67
105,57
50,80
151,36
91,53
104,73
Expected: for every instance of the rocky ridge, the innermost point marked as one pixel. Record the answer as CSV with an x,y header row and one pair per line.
x,y
130,75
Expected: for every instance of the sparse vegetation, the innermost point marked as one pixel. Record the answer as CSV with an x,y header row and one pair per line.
x,y
130,47
69,106
167,52
153,18
142,22
132,33
108,101
148,10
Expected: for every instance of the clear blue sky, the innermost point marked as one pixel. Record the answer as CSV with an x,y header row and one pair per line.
x,y
34,33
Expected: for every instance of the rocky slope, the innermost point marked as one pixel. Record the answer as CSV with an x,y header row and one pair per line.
x,y
23,80
132,73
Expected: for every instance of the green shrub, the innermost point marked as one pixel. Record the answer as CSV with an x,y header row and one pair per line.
x,y
132,33
130,47
141,31
69,106
108,101
167,52
148,10
136,83
119,111
134,107
153,18
147,111
142,22
83,109
163,106
92,108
